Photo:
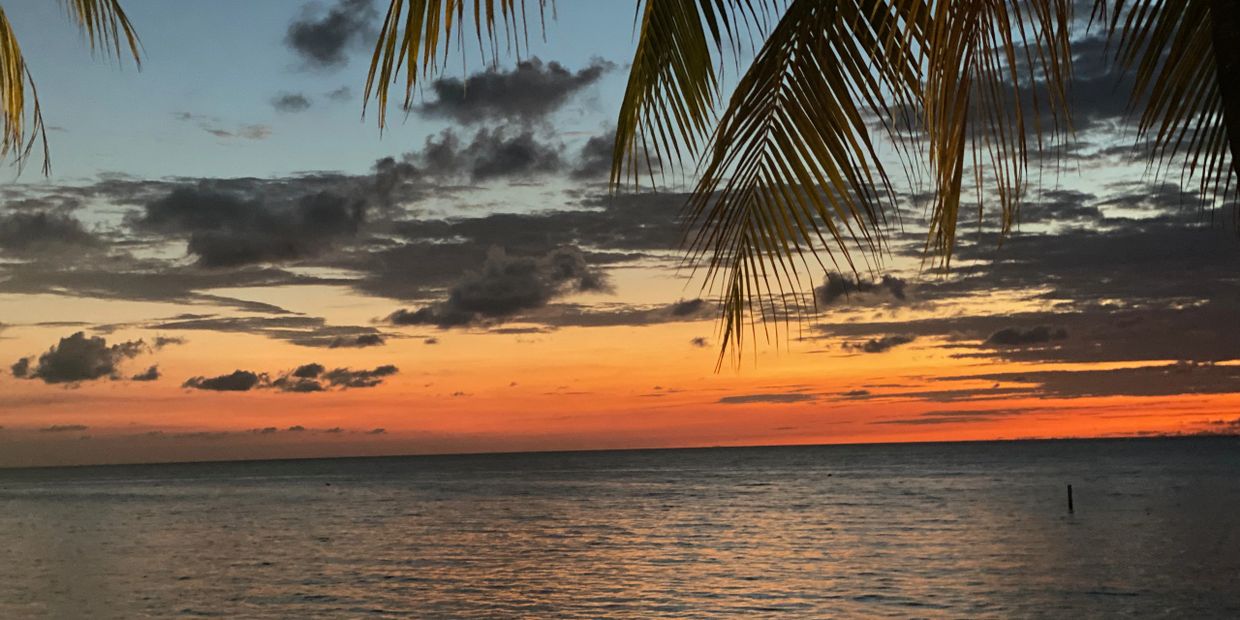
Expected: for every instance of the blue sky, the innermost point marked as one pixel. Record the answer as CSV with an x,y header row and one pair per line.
x,y
225,61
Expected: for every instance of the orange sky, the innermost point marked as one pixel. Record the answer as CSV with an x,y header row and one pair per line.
x,y
565,389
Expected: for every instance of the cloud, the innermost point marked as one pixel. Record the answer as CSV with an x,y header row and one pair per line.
x,y
688,307
43,232
305,331
237,381
294,384
957,416
226,230
79,358
491,154
529,92
1015,336
837,287
322,40
1060,206
315,377
700,342
150,374
505,286
63,428
1157,380
879,345
744,399
344,93
291,102
345,378
359,341
308,371
166,341
595,159
247,132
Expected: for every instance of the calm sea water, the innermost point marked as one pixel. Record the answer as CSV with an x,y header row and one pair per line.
x,y
934,530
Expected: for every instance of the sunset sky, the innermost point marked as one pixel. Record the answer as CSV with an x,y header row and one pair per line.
x,y
228,261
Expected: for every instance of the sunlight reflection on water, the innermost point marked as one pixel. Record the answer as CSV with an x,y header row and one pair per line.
x,y
973,530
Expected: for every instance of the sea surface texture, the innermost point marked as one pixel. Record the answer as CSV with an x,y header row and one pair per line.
x,y
934,530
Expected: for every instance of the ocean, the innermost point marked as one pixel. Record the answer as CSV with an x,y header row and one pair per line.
x,y
961,530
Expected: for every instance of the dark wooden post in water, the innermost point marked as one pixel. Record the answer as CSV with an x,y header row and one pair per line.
x,y
1070,510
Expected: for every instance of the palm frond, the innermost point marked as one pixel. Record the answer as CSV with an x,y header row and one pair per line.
x,y
106,27
23,118
791,168
669,103
412,33
986,63
1172,49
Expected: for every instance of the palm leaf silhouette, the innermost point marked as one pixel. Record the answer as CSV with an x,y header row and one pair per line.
x,y
106,29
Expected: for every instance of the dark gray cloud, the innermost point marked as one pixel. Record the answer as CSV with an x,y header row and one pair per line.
x,y
78,358
529,92
879,345
322,40
743,399
308,371
166,341
700,342
64,428
128,278
1159,380
837,288
237,381
247,132
306,331
1100,91
491,154
291,102
32,233
226,230
615,314
506,286
1060,206
595,159
307,378
1016,337
344,93
688,307
299,385
150,374
357,342
316,378
268,220
347,378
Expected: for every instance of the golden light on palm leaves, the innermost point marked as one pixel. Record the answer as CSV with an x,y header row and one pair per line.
x,y
105,27
1174,49
412,32
975,103
791,166
788,168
